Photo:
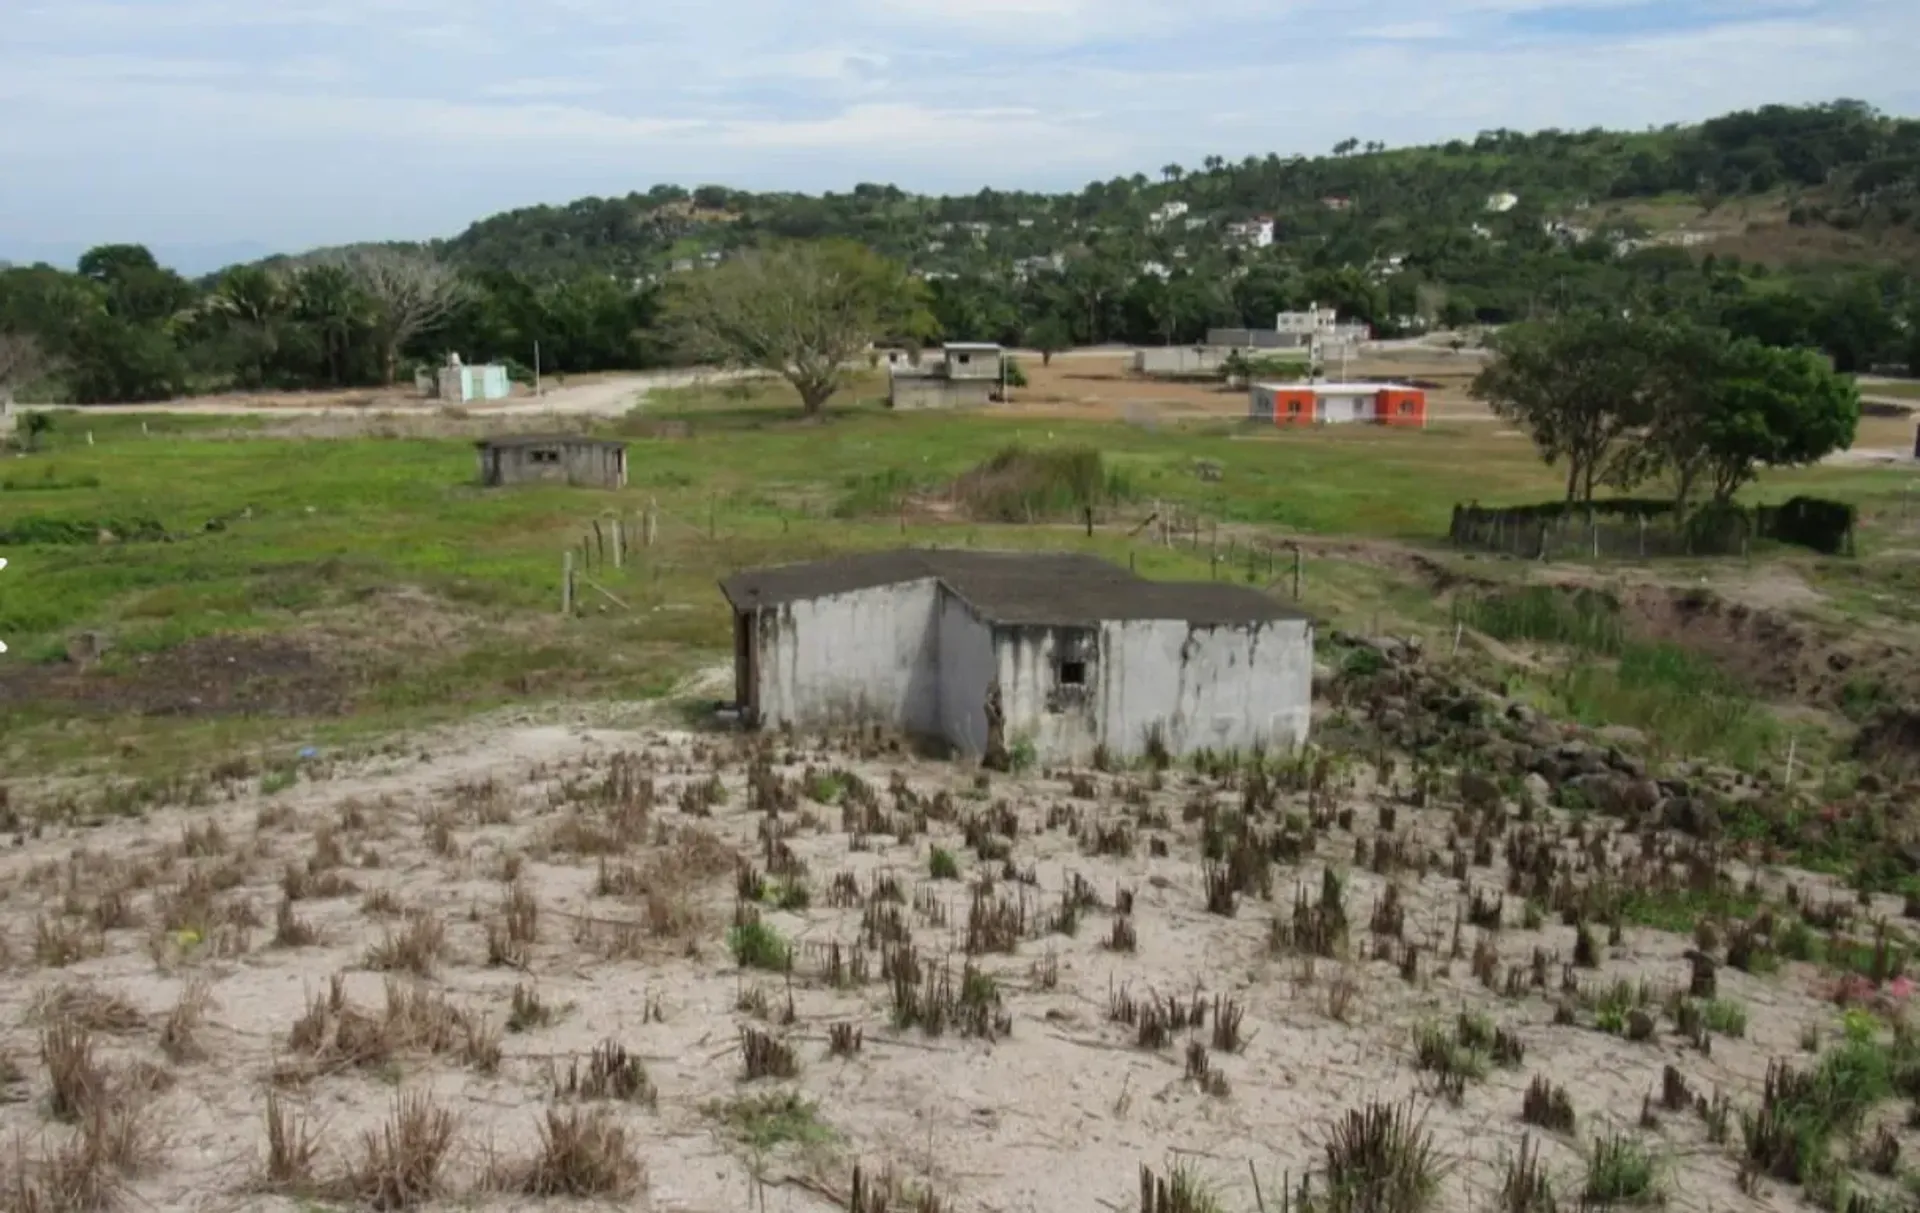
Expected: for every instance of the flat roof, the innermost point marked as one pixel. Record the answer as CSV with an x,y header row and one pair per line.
x,y
1335,389
970,345
506,440
1030,588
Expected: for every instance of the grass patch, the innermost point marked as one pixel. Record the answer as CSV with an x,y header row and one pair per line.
x,y
755,945
775,1118
1019,484
1620,1171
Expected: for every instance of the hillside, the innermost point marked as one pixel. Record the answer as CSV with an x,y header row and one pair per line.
x,y
1798,225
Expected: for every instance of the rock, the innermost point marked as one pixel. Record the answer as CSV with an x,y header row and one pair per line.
x,y
1521,714
1478,791
1623,736
1688,815
1536,791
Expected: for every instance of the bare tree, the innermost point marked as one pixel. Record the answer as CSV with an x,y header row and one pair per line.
x,y
805,312
407,295
22,360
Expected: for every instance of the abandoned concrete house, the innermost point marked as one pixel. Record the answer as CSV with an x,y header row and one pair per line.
x,y
966,373
553,458
1059,652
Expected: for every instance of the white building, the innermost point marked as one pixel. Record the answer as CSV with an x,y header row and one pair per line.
x,y
1083,654
1166,213
1502,202
1253,233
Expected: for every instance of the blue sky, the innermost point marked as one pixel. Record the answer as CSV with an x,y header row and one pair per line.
x,y
215,129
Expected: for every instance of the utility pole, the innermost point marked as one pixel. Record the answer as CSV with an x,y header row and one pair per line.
x,y
536,367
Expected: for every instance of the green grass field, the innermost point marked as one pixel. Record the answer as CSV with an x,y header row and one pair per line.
x,y
438,597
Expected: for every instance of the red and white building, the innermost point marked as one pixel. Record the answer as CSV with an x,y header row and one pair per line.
x,y
1395,404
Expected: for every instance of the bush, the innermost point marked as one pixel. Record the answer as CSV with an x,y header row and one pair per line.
x,y
1020,485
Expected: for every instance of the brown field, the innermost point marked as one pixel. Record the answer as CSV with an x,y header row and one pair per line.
x,y
514,970
1103,387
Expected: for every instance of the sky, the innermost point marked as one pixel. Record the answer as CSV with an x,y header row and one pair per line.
x,y
221,130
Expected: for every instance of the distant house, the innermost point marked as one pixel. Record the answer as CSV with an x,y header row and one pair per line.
x,y
456,383
1337,202
1502,202
1252,233
1064,655
574,459
968,373
1394,404
1166,213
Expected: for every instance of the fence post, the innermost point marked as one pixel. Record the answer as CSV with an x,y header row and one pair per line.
x,y
619,544
1593,527
652,528
1643,536
566,583
1089,522
1299,570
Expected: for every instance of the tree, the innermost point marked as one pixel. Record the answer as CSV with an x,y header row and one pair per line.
x,y
1578,386
804,312
407,296
22,360
1772,407
1050,334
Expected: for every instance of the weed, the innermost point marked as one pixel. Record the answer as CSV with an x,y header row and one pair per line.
x,y
292,1147
942,865
765,1056
1381,1159
582,1153
1525,1187
180,1034
400,1165
415,949
1725,1016
610,1073
775,1118
756,945
1620,1171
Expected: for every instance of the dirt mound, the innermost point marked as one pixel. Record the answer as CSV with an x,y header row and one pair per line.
x,y
212,676
1769,651
1890,739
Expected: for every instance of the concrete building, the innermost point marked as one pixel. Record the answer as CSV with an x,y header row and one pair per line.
x,y
967,373
553,458
1395,404
456,383
1060,653
1252,233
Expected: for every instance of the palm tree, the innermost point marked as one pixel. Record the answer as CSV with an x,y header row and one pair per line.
x,y
325,299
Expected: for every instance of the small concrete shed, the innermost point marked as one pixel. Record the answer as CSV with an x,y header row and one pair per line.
x,y
553,458
1060,652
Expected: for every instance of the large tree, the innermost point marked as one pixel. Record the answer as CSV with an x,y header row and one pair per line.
x,y
407,296
804,312
1578,385
22,360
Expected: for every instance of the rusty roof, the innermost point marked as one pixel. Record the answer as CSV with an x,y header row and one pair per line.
x,y
1032,588
507,440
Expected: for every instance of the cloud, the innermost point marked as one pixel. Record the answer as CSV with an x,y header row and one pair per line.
x,y
316,121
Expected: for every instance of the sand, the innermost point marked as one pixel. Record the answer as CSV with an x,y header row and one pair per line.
x,y
1056,1116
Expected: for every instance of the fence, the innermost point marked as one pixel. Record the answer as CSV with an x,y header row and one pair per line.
x,y
1640,530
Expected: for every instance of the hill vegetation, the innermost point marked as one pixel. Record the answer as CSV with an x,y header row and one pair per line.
x,y
1790,225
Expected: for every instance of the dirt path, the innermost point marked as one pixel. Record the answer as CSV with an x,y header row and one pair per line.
x,y
609,397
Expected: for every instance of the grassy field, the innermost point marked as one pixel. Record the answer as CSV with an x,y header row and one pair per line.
x,y
431,597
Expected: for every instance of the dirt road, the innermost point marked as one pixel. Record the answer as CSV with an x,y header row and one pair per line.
x,y
611,396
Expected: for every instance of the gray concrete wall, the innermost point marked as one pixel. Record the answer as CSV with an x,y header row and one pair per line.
x,y
1217,688
579,464
863,657
1061,723
1179,360
966,668
933,392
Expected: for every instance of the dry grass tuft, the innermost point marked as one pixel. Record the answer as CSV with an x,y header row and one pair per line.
x,y
180,1034
116,1140
583,1153
77,1081
415,949
290,930
399,1166
334,1035
58,943
87,1006
610,1073
292,1147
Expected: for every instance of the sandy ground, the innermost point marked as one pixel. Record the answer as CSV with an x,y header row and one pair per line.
x,y
632,882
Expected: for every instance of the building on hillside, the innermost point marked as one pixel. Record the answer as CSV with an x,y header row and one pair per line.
x,y
1252,233
1166,213
1395,404
1502,202
455,383
967,373
574,459
1059,654
1256,339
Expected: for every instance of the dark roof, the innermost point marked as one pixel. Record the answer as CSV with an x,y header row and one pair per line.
x,y
1013,587
507,440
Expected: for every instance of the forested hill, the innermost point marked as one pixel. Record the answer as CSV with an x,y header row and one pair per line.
x,y
1839,166
1795,225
